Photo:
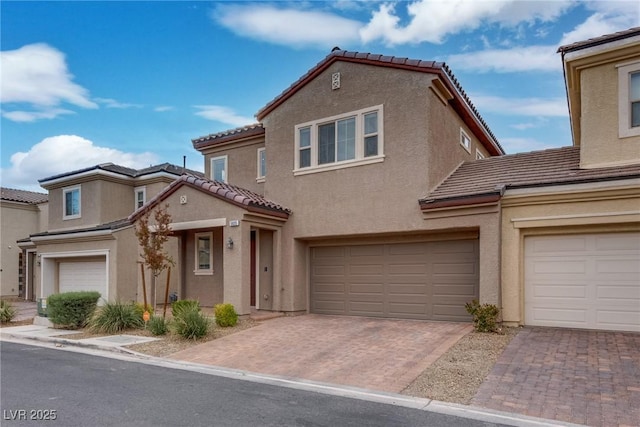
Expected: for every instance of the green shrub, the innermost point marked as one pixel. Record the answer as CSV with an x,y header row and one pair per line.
x,y
180,306
225,315
140,309
191,324
7,311
72,310
116,317
158,325
485,316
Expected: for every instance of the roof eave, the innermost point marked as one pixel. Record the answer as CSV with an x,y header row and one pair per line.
x,y
461,201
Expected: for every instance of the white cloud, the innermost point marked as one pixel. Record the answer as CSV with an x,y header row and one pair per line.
x,y
290,27
112,103
522,145
432,20
223,114
163,108
531,58
37,75
64,153
536,107
31,116
523,126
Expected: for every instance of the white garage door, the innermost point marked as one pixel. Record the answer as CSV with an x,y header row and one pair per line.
x,y
583,281
83,276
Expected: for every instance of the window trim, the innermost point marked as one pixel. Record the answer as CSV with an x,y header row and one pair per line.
x,y
71,189
260,175
136,191
197,270
465,140
479,155
624,102
226,167
359,142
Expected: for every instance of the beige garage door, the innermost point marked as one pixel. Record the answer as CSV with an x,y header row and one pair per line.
x,y
83,276
427,280
583,281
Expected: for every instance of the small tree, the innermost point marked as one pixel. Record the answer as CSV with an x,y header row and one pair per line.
x,y
152,239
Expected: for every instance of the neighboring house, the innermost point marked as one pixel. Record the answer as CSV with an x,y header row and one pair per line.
x,y
570,217
316,208
89,244
21,213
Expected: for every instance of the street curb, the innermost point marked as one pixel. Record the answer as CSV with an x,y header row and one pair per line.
x,y
74,343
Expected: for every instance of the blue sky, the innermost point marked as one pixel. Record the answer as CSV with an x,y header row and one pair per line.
x,y
132,83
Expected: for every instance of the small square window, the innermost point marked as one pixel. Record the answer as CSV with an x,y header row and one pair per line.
x,y
204,253
71,202
479,155
465,141
219,169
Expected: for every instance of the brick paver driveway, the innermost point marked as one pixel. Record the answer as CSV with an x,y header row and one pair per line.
x,y
577,376
380,354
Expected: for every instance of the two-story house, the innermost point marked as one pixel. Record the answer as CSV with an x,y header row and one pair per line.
x,y
89,244
316,207
21,213
570,217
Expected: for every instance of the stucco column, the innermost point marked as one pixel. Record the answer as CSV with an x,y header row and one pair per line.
x,y
490,260
236,265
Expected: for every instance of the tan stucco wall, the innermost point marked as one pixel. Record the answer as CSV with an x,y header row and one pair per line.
x,y
600,145
208,289
242,163
17,221
604,207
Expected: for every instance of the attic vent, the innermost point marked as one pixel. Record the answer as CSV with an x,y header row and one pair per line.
x,y
335,81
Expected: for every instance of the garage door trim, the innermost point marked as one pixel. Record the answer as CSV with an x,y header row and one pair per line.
x,y
48,268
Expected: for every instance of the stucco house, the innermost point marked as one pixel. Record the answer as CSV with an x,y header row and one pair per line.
x,y
569,217
21,213
316,207
88,242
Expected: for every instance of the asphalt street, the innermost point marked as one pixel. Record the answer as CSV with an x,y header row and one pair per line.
x,y
53,387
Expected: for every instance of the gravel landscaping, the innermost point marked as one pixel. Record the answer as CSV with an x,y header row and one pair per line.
x,y
456,376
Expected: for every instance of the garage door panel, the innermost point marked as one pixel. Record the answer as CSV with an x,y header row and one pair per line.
x,y
595,284
406,274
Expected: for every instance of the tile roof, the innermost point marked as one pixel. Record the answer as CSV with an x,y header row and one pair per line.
x,y
596,41
113,225
228,135
491,176
23,196
434,67
128,172
230,193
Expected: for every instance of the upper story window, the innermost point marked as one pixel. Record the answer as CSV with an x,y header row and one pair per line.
x,y
141,196
262,164
629,100
465,141
219,169
204,253
479,154
341,141
71,202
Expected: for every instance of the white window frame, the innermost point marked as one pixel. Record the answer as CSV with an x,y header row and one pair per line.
x,y
203,271
624,102
65,191
226,167
261,173
465,140
479,155
359,158
137,191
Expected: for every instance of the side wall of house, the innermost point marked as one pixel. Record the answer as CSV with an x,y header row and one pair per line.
x,y
17,221
242,163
